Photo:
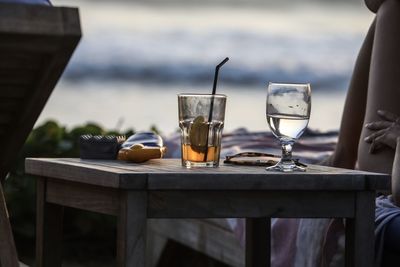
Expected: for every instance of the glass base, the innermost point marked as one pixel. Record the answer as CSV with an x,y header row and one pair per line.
x,y
286,167
192,164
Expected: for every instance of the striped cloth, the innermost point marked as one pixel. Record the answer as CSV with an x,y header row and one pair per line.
x,y
312,147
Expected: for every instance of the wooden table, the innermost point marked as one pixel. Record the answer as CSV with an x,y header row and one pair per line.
x,y
164,189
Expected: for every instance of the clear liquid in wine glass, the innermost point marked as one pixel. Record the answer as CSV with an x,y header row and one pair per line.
x,y
288,111
289,127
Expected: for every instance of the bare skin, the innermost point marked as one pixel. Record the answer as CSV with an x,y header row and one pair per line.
x,y
375,85
386,134
373,5
345,155
384,81
385,131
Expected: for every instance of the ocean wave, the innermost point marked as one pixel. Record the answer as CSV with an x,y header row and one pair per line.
x,y
203,74
179,53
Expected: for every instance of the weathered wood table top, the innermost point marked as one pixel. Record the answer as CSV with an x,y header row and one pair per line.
x,y
168,174
164,189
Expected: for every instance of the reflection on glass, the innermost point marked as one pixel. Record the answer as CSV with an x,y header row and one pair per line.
x,y
288,112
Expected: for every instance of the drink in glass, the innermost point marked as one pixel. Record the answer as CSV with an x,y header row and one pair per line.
x,y
201,119
288,112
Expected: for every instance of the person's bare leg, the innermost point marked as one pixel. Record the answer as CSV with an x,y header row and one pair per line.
x,y
345,154
384,83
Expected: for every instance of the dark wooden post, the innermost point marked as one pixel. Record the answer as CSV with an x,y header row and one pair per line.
x,y
49,227
8,252
132,227
36,45
360,231
258,242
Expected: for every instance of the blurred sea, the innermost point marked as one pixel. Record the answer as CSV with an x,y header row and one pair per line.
x,y
135,57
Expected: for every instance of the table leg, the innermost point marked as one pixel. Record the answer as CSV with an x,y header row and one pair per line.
x,y
258,242
49,227
131,232
360,236
8,252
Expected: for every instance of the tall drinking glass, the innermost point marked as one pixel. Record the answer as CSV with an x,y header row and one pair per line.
x,y
201,119
288,112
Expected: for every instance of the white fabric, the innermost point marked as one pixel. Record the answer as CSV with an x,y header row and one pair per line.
x,y
310,236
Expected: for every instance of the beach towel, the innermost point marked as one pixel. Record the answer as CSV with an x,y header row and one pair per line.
x,y
385,211
312,148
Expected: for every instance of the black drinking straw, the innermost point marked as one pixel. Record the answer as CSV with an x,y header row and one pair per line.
x,y
216,76
212,100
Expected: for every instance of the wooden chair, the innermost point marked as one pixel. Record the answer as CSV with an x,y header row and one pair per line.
x,y
36,43
211,237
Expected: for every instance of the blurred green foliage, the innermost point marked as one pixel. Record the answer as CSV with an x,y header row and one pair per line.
x,y
84,233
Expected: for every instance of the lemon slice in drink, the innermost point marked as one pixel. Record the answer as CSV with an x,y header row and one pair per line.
x,y
198,134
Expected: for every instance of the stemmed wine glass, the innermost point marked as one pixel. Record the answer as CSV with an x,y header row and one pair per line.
x,y
288,111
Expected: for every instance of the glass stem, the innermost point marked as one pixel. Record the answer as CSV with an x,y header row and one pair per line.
x,y
286,152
